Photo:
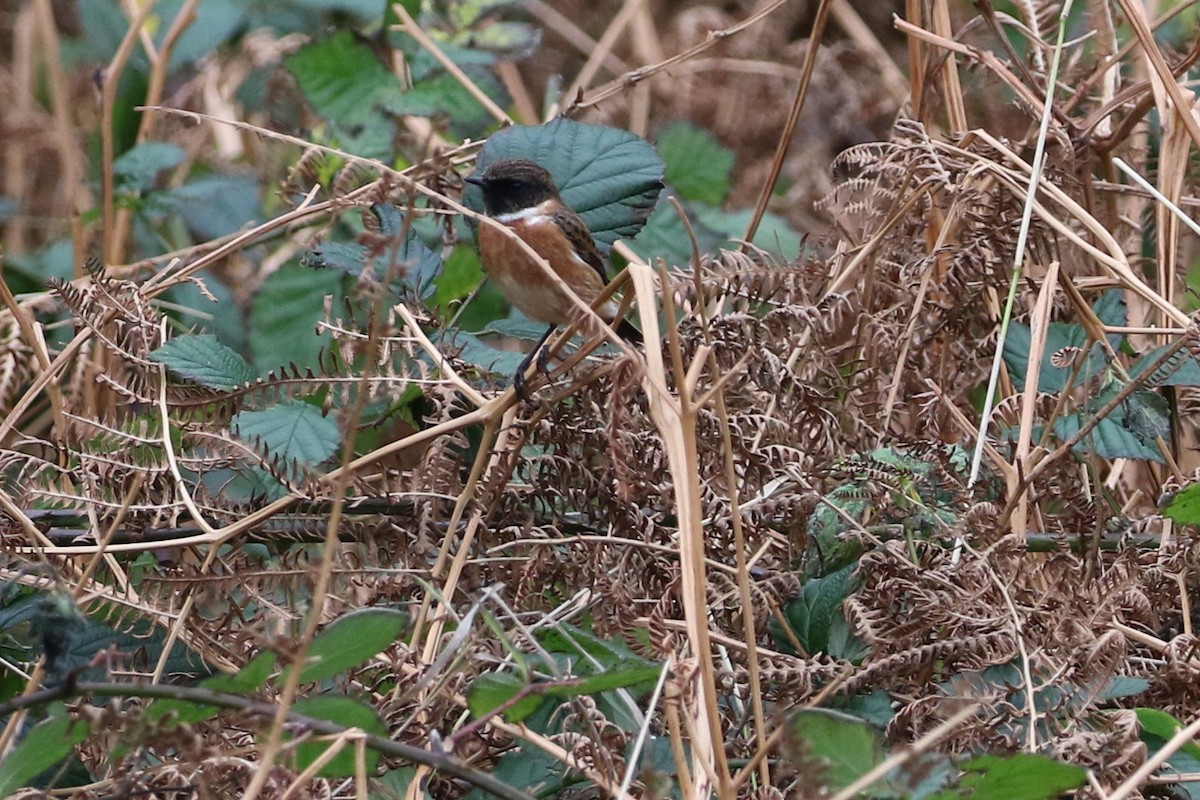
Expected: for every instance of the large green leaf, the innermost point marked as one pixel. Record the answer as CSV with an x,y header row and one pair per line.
x,y
245,484
290,432
397,783
478,27
216,205
875,708
621,675
30,271
418,265
491,690
445,95
475,351
845,747
343,80
516,328
1109,308
827,550
460,275
1184,506
203,359
534,704
1021,776
349,713
251,677
1121,686
215,22
666,237
512,40
437,93
44,746
610,176
1164,726
101,27
533,770
351,640
137,168
1059,337
1157,728
284,317
346,84
573,640
1128,432
698,166
1182,370
773,234
812,615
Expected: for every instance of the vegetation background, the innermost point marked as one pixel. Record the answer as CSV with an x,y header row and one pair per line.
x,y
897,500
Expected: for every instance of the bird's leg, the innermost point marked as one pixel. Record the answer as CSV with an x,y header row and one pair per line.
x,y
536,352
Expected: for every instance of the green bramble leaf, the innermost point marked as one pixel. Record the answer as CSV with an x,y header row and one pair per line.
x,y
1064,336
698,166
815,614
284,316
343,80
139,166
351,640
1165,726
1184,505
493,689
45,745
844,747
204,360
291,432
348,713
1021,776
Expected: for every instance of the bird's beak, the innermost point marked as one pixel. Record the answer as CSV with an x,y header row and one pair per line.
x,y
475,179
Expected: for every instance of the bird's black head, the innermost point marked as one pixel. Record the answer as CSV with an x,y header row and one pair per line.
x,y
513,185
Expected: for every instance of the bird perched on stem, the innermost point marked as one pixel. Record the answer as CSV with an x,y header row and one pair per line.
x,y
522,196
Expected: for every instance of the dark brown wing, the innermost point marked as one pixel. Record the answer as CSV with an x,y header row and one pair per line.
x,y
581,240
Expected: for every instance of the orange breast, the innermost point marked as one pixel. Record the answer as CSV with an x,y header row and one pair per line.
x,y
521,279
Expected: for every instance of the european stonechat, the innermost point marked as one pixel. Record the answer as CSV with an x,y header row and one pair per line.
x,y
522,196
